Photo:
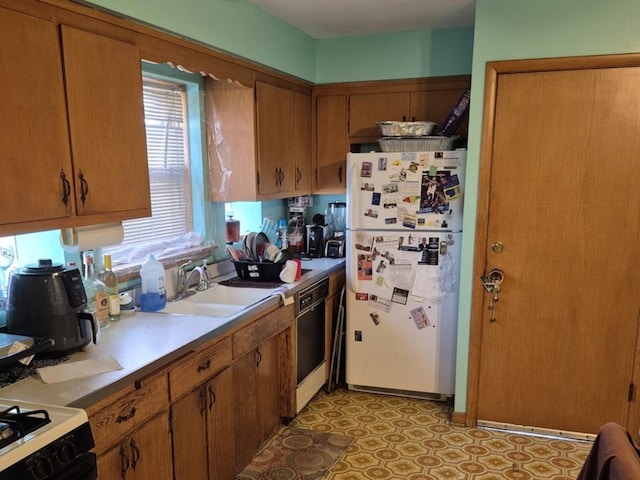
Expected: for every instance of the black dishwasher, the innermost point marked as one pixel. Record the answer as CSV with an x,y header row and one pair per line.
x,y
310,322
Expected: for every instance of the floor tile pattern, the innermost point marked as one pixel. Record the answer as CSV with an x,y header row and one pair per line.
x,y
413,439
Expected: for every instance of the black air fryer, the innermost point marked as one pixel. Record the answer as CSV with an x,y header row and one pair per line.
x,y
48,300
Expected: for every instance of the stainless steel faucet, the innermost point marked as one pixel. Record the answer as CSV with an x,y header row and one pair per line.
x,y
185,280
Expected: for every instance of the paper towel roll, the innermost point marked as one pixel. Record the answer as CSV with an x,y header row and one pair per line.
x,y
75,240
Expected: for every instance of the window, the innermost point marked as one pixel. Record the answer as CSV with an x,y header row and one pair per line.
x,y
168,157
172,113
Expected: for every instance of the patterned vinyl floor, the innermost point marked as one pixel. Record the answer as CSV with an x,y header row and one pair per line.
x,y
410,439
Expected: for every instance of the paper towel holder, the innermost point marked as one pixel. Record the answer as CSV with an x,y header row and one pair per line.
x,y
75,239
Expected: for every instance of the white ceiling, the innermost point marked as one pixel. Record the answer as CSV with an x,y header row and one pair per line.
x,y
339,18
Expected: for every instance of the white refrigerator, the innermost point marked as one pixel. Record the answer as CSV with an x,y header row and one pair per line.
x,y
403,238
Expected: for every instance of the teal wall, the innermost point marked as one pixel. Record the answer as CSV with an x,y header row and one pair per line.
x,y
425,53
518,29
234,26
243,29
504,29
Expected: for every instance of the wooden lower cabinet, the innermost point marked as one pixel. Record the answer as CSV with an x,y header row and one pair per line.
x,y
204,416
144,454
203,431
256,399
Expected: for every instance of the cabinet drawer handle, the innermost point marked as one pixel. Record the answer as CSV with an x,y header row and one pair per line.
x,y
340,174
84,187
212,397
203,401
124,418
299,176
135,454
258,358
206,366
66,187
124,462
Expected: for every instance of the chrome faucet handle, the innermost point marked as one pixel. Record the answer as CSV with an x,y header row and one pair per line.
x,y
206,272
181,275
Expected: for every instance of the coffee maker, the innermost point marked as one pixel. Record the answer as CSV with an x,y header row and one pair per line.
x,y
334,246
317,234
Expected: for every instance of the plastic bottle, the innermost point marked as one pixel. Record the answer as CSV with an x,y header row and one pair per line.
x,y
110,279
154,294
97,300
281,242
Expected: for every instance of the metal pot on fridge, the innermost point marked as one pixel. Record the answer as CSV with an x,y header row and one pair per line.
x,y
48,300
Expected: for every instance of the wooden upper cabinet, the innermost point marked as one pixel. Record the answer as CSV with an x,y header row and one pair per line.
x,y
303,152
261,141
275,113
435,106
106,117
331,144
34,145
366,110
75,155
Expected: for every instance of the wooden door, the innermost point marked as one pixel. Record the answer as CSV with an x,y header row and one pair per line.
x,y
106,117
331,144
245,399
189,433
35,142
268,388
303,152
435,105
275,112
366,110
143,455
559,215
220,425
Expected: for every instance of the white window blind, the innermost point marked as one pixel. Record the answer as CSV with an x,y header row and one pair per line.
x,y
167,151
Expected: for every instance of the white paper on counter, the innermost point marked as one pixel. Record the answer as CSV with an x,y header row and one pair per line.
x,y
80,369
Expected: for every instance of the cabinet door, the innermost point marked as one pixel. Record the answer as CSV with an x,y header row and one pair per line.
x,y
331,144
434,106
143,455
220,427
34,144
189,435
366,110
275,113
106,117
303,158
245,399
268,388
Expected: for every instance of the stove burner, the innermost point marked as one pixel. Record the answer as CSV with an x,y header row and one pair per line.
x,y
19,371
15,424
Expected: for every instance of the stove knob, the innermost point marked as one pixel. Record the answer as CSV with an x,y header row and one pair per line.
x,y
40,467
66,452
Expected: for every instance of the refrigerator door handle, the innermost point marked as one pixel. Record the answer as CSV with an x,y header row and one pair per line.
x,y
351,265
352,186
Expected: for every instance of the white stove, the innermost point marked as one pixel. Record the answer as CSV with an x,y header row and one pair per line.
x,y
44,441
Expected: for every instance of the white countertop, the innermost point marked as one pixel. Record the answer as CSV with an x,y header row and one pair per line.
x,y
145,342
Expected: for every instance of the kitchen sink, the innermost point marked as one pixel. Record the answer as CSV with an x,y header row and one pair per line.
x,y
220,301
